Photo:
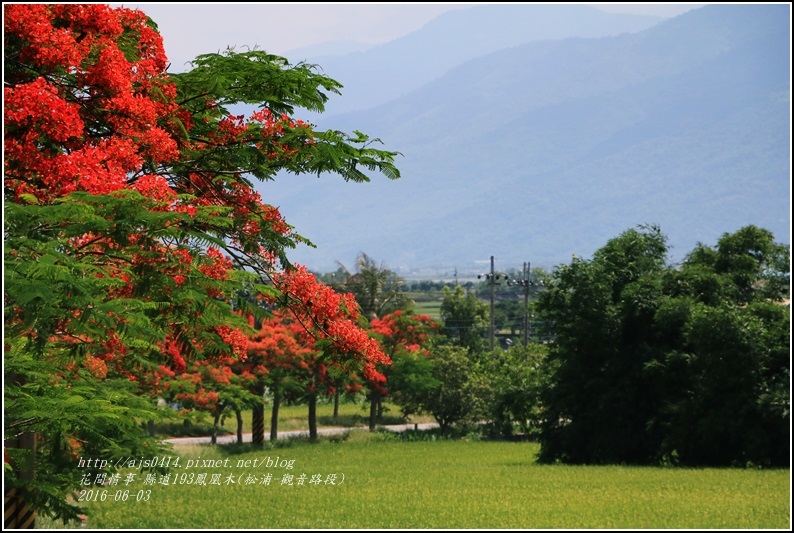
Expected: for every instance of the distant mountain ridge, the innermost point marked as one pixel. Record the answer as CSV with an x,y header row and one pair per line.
x,y
383,72
548,149
321,53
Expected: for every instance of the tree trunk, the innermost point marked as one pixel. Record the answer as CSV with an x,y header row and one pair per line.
x,y
373,409
274,414
214,439
313,416
336,405
239,415
258,418
19,513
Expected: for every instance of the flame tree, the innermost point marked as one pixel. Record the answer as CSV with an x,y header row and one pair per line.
x,y
276,360
406,338
130,221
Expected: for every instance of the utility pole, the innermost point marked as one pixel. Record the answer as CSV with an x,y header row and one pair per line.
x,y
525,282
493,285
491,279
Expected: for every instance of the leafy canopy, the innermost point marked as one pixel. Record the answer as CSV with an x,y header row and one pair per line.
x,y
132,223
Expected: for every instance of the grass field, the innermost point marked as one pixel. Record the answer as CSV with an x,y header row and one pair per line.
x,y
382,482
426,303
429,308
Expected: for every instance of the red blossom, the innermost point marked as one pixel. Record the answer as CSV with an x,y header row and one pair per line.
x,y
236,339
98,113
97,367
155,187
328,315
50,141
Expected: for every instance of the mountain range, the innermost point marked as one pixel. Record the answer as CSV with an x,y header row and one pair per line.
x,y
536,133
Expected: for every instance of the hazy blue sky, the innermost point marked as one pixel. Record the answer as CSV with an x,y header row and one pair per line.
x,y
192,29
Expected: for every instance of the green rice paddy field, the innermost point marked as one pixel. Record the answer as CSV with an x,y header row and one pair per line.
x,y
381,482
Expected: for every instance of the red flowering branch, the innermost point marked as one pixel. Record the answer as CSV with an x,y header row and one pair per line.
x,y
132,225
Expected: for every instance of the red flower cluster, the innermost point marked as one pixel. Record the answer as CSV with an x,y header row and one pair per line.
x,y
155,187
172,352
97,367
327,314
201,399
401,330
217,266
236,339
95,115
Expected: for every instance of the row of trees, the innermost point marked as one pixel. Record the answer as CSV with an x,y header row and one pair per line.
x,y
649,363
132,225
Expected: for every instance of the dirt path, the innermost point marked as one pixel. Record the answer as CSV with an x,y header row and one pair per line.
x,y
229,439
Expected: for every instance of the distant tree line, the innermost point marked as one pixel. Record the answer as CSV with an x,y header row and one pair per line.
x,y
426,285
681,365
643,363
